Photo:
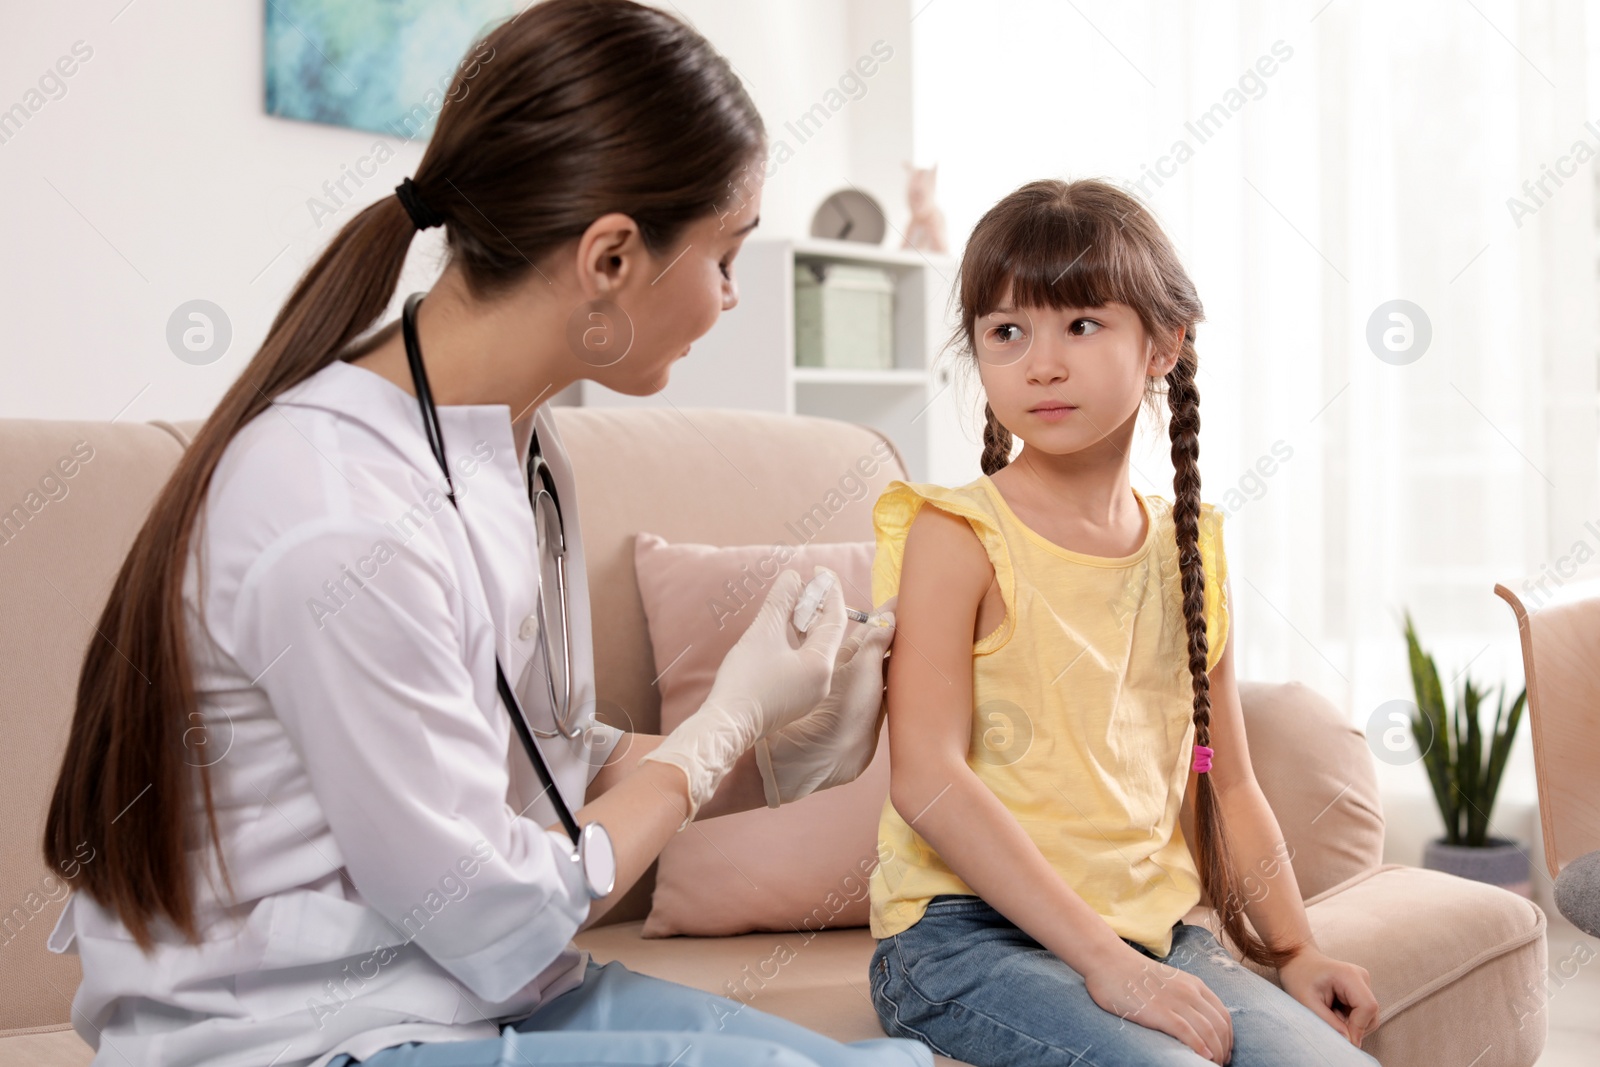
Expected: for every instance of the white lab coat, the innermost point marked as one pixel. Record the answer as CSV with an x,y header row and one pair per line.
x,y
367,782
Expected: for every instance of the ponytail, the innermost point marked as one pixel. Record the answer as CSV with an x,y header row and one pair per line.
x,y
133,750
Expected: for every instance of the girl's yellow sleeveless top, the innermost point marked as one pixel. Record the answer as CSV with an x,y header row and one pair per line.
x,y
1083,711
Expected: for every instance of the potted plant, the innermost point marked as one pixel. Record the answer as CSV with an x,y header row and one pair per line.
x,y
1465,774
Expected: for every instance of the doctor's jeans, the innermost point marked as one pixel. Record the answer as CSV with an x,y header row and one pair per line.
x,y
969,984
618,1017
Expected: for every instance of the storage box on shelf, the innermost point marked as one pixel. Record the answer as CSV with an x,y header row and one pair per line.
x,y
843,316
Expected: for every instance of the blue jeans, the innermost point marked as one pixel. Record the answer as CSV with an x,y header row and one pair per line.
x,y
968,984
621,1017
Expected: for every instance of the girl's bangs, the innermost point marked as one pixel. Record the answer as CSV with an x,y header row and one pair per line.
x,y
1067,260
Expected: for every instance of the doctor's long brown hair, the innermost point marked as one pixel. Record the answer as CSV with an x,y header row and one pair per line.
x,y
1081,245
567,111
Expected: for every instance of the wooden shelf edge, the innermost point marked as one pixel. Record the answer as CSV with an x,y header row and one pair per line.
x,y
847,376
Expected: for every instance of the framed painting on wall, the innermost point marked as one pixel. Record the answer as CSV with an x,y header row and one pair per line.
x,y
379,65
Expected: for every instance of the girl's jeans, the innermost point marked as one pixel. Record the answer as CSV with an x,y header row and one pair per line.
x,y
970,985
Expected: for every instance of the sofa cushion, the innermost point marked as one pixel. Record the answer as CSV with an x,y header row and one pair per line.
x,y
712,476
72,497
805,865
1328,806
57,1047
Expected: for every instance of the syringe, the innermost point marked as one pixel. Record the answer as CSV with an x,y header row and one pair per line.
x,y
810,602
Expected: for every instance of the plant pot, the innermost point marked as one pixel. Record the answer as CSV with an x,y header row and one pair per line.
x,y
1500,862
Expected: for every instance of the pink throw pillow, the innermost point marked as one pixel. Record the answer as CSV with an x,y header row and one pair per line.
x,y
803,866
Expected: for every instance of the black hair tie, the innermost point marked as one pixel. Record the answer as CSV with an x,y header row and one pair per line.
x,y
422,216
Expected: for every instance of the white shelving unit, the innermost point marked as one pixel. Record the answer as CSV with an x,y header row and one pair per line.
x,y
747,360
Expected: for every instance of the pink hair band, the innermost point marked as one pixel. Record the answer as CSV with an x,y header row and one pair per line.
x,y
1202,759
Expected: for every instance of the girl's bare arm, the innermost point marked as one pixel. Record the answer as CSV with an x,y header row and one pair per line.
x,y
944,576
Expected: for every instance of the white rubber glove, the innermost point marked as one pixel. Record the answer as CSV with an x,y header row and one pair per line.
x,y
770,677
833,744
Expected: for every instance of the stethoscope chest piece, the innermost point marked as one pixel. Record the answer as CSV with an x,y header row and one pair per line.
x,y
554,623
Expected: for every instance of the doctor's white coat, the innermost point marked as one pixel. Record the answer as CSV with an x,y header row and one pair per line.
x,y
382,827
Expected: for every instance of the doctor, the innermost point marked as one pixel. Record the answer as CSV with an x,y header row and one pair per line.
x,y
319,833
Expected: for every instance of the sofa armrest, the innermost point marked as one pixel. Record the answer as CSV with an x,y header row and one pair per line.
x,y
1458,966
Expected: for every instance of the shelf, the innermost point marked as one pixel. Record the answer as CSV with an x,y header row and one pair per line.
x,y
747,360
847,376
877,255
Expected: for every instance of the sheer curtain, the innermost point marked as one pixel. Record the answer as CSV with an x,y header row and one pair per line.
x,y
1315,162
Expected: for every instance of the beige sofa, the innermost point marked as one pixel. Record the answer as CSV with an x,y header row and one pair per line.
x,y
1457,966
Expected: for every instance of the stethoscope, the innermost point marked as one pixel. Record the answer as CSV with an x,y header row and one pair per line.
x,y
594,846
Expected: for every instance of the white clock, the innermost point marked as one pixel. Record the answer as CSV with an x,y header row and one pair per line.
x,y
849,215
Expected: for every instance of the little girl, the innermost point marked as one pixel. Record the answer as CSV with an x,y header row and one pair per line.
x,y
1061,665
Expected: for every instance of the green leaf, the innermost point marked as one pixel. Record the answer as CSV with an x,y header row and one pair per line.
x,y
1471,764
1502,744
1433,740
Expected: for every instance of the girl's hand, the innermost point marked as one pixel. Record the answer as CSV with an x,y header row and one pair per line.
x,y
1338,992
1162,997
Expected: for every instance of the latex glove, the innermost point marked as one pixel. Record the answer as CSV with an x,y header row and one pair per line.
x,y
771,676
833,744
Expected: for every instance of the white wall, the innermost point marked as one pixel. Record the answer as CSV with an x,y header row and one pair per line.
x,y
156,178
